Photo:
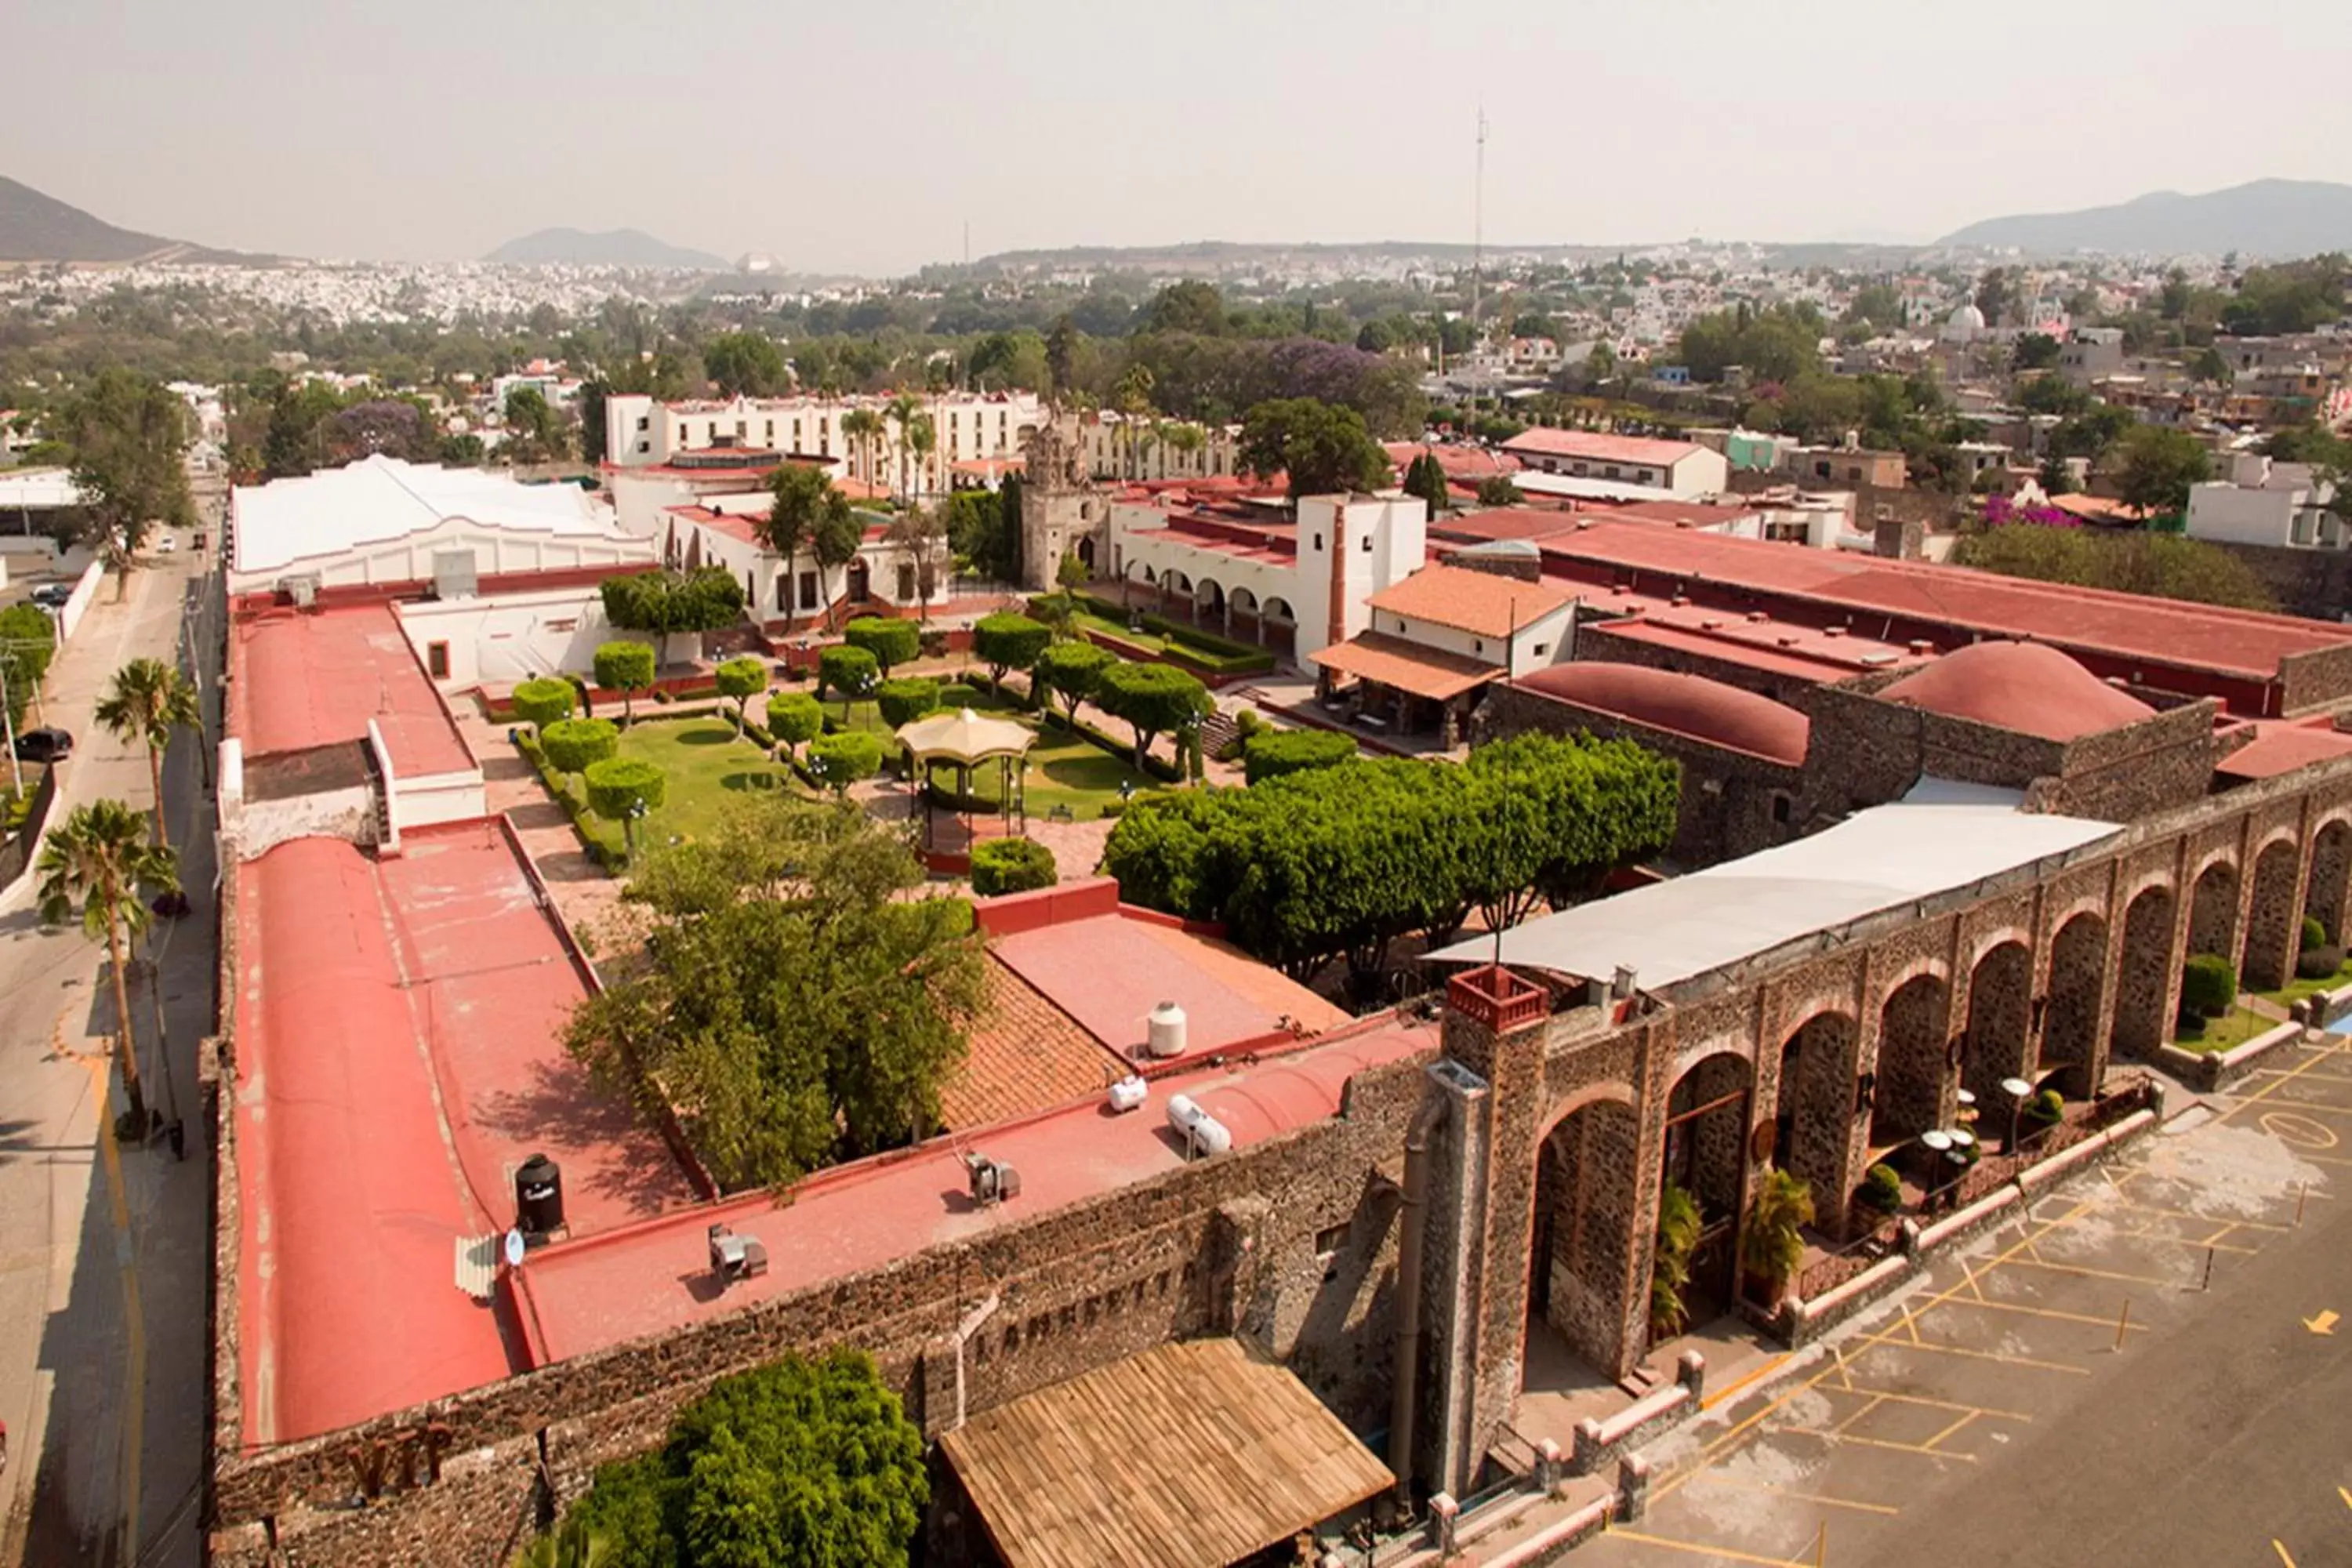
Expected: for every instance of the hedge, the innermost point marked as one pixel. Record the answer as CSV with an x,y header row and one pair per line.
x,y
955,695
1011,866
1272,753
574,810
904,700
838,761
891,641
543,701
1218,655
2208,986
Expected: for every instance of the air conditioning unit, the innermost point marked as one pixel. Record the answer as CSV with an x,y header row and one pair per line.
x,y
734,1256
991,1180
302,588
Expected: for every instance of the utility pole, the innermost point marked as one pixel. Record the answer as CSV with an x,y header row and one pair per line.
x,y
1477,254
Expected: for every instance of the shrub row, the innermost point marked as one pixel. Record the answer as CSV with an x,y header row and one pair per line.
x,y
574,810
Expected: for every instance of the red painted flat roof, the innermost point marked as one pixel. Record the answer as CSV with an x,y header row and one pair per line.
x,y
2158,631
396,1058
580,1295
311,677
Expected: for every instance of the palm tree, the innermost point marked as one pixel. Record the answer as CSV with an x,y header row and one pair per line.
x,y
862,425
922,439
901,412
99,859
147,701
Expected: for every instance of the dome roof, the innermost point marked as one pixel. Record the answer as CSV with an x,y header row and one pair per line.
x,y
1967,315
1682,704
2030,688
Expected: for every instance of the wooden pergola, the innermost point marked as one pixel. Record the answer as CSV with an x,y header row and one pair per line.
x,y
965,741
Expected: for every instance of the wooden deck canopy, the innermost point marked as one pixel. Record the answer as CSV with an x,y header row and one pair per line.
x,y
1185,1455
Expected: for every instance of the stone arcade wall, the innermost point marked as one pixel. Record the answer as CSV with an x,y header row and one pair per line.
x,y
1291,1243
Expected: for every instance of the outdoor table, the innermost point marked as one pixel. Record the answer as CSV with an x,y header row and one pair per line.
x,y
1938,1143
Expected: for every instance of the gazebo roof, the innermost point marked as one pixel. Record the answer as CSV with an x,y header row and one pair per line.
x,y
965,737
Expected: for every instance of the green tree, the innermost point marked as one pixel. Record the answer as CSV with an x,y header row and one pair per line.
x,y
575,746
1007,640
919,534
905,701
744,364
1068,671
128,433
147,700
1497,490
2034,351
793,718
570,1545
891,640
98,865
543,701
804,499
851,670
709,599
623,790
1153,698
1071,574
835,543
798,1464
2157,467
1325,450
1008,361
534,433
627,667
843,758
2211,368
28,640
1994,295
901,414
1001,865
1425,477
1188,306
2159,566
741,679
863,429
1275,753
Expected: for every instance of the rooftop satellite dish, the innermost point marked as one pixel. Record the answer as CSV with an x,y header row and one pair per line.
x,y
514,1249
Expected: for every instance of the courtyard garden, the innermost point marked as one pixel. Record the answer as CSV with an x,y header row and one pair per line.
x,y
1067,770
703,764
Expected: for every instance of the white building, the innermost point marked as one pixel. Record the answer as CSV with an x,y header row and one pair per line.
x,y
2264,502
382,521
1122,447
885,575
966,425
1676,467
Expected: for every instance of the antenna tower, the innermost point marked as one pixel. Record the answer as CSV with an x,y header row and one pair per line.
x,y
1477,252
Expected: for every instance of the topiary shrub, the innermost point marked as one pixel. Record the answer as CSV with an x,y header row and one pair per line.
x,y
891,641
1882,1189
850,672
903,702
2319,963
575,746
1279,751
544,702
955,694
2047,1108
622,790
1008,641
838,761
627,667
2208,986
743,679
1011,866
795,717
2314,933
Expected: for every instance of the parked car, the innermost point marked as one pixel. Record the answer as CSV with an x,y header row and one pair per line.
x,y
52,596
165,545
47,744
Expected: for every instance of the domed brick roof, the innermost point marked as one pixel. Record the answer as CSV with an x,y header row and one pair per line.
x,y
1689,705
2030,688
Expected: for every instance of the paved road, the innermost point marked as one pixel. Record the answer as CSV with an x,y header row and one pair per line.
x,y
2073,1392
103,1249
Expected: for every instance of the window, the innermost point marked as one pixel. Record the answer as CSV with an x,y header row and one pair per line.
x,y
642,422
436,660
1477,645
1367,545
644,446
1319,541
808,590
1780,806
1542,649
783,591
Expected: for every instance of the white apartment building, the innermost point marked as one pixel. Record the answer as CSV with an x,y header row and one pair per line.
x,y
883,575
1122,447
2264,502
640,432
1680,469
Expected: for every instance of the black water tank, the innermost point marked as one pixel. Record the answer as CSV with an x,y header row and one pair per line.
x,y
539,1197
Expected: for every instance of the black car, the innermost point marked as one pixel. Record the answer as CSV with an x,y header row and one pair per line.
x,y
52,596
47,744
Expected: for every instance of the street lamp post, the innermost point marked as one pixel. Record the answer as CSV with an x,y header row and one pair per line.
x,y
2018,1090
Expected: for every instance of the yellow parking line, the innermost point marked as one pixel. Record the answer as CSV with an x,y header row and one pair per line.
x,y
1941,1349
2101,1273
2275,1085
1733,1553
2053,1313
1949,1430
1830,1435
1946,1405
1851,1420
2280,1547
1826,1501
1731,1389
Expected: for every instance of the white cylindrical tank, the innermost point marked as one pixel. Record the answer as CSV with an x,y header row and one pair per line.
x,y
1164,1031
1210,1135
1182,1114
1129,1093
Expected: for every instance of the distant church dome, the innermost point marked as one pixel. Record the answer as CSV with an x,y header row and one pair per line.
x,y
1681,704
1966,319
2029,687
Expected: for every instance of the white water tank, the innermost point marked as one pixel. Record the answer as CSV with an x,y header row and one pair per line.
x,y
1164,1031
1129,1093
1202,1133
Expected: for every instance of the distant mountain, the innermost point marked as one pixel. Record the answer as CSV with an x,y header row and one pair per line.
x,y
2267,217
615,248
37,227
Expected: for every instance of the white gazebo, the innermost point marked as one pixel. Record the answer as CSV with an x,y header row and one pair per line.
x,y
965,740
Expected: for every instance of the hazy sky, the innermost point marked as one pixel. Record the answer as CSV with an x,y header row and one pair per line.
x,y
863,136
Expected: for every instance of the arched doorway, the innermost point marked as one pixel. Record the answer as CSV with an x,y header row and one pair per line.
x,y
2272,914
2213,911
2144,979
860,587
1087,555
2325,889
1813,1116
1707,1156
1208,601
1243,607
2001,1021
1579,1283
1912,1081
2069,1027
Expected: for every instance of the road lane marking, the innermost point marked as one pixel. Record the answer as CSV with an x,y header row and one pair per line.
x,y
1729,1552
1713,1479
2053,1313
2280,1547
2324,1323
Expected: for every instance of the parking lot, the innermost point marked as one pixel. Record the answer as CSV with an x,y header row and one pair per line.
x,y
2140,1367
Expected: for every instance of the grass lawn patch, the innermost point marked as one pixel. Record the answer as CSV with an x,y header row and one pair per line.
x,y
706,764
2294,990
1064,769
2228,1032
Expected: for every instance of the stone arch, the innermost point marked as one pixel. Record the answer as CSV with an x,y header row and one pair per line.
x,y
2145,974
1087,553
1911,1086
2000,936
2327,886
1999,1040
2273,914
2070,1025
1245,601
1813,1114
2213,908
1579,1282
1279,611
1705,1154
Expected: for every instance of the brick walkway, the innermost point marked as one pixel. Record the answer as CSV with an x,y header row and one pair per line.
x,y
588,898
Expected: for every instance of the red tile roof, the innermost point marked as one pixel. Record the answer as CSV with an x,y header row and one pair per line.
x,y
1680,704
1406,666
1028,1055
1482,603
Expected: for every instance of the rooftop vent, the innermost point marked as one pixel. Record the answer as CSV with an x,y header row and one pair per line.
x,y
734,1256
539,1198
1757,617
1922,646
991,1181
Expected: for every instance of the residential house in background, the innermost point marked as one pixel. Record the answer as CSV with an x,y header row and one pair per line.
x,y
2266,502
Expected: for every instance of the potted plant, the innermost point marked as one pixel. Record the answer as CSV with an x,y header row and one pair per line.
x,y
1678,1232
2045,1111
1773,1244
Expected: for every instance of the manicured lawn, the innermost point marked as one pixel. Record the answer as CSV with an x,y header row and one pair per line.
x,y
705,764
2294,990
1064,769
2233,1029
1151,642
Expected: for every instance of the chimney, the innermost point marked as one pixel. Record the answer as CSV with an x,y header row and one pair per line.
x,y
1337,631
